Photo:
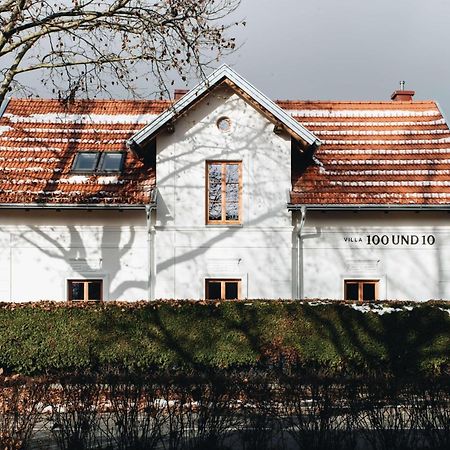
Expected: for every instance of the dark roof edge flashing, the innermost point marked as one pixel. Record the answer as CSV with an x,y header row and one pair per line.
x,y
332,207
76,206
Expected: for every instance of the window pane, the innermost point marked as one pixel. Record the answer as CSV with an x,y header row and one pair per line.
x,y
76,290
215,211
232,173
351,291
111,162
94,290
368,291
232,211
213,290
215,174
231,290
86,161
215,191
232,193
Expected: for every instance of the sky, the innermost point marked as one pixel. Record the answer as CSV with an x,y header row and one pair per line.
x,y
342,49
345,49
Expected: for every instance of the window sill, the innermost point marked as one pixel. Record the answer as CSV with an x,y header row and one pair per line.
x,y
224,225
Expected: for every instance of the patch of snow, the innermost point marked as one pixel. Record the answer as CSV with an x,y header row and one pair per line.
x,y
383,151
377,133
361,113
386,142
30,159
415,195
62,140
75,179
83,118
415,162
379,309
375,124
362,308
421,183
388,172
162,403
4,128
28,149
72,130
109,179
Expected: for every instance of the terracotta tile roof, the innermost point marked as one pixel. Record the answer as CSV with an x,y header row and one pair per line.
x,y
373,153
40,138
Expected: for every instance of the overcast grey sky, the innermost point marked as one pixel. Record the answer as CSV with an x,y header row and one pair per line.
x,y
342,49
346,49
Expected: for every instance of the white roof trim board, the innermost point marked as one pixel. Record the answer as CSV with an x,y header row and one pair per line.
x,y
220,74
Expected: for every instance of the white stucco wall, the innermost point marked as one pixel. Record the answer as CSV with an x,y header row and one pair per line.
x,y
335,246
40,250
187,250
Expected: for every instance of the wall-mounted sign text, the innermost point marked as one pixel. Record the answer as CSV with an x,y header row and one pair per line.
x,y
400,239
392,239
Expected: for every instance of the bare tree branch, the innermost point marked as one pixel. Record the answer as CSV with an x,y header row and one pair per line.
x,y
88,44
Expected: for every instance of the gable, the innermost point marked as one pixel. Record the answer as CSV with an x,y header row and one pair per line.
x,y
196,141
224,75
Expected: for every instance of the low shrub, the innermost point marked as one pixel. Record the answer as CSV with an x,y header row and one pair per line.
x,y
329,337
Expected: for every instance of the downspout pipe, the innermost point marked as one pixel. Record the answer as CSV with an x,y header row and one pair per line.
x,y
150,250
299,293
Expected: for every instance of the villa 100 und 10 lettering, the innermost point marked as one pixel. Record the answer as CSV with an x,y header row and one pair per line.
x,y
400,239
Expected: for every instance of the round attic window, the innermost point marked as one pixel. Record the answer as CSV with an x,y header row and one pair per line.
x,y
224,124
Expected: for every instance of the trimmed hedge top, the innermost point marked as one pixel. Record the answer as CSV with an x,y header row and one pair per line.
x,y
394,337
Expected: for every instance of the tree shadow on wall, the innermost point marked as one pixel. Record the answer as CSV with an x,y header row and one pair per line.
x,y
108,250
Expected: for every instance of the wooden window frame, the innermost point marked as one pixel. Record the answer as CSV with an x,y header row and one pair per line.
x,y
361,282
223,191
86,282
223,282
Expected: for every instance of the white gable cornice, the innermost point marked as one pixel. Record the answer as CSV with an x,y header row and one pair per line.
x,y
223,73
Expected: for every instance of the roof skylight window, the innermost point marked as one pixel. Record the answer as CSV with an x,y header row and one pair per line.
x,y
85,161
111,162
98,162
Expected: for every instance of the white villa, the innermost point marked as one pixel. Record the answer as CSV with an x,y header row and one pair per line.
x,y
224,194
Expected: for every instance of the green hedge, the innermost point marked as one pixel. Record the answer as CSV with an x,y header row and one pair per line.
x,y
50,337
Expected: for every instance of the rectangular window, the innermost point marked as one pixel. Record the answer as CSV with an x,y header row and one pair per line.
x,y
111,162
84,290
85,161
226,289
224,186
361,290
90,162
